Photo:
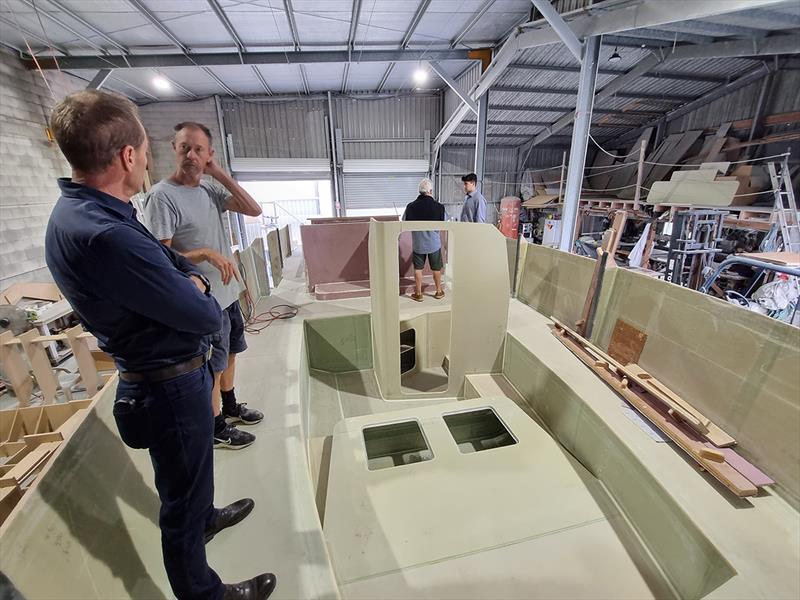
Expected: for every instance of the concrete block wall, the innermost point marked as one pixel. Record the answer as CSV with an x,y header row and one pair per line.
x,y
160,118
29,167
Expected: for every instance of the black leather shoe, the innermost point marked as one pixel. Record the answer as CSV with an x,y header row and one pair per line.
x,y
230,516
257,588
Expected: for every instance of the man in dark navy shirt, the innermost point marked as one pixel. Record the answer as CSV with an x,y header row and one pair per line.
x,y
151,310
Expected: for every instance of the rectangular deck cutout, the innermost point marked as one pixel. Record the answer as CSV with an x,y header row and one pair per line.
x,y
395,445
477,430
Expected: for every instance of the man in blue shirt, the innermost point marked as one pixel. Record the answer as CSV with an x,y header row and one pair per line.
x,y
426,245
152,311
474,209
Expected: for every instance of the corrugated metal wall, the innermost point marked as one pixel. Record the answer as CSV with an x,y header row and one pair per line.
x,y
394,119
277,129
499,177
296,128
741,104
465,81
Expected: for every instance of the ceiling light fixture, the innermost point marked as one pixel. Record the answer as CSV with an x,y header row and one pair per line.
x,y
161,83
420,76
615,57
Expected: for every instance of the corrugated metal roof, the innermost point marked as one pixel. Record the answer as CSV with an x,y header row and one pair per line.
x,y
384,24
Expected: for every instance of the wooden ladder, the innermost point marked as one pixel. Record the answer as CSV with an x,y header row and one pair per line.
x,y
785,206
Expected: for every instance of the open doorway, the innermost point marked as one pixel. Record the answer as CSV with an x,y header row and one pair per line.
x,y
289,203
424,339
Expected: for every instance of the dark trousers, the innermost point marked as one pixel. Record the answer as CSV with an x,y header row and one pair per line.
x,y
182,427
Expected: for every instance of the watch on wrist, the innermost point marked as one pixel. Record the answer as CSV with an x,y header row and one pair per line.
x,y
205,280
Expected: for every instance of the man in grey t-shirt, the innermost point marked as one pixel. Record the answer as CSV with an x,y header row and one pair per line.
x,y
185,212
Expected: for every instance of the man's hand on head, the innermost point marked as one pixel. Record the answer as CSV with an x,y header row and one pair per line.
x,y
212,168
227,269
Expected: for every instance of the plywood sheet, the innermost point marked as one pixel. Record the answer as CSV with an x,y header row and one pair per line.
x,y
284,237
599,176
627,343
336,252
694,175
693,193
672,155
275,261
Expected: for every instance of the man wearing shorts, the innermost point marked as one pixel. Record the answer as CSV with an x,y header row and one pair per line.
x,y
185,212
426,245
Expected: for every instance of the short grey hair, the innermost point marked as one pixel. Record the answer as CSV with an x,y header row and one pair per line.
x,y
425,186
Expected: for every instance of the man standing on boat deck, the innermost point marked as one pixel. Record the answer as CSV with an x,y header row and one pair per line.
x,y
185,212
474,209
426,245
152,311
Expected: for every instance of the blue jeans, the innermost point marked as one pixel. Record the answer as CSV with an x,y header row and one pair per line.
x,y
182,427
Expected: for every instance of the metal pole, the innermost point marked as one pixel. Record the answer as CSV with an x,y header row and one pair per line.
x,y
759,111
639,173
480,138
561,179
337,201
580,140
234,222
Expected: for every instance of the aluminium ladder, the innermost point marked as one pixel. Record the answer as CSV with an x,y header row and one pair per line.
x,y
785,206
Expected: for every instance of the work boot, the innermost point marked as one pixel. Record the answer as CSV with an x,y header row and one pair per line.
x,y
229,516
233,438
239,413
257,588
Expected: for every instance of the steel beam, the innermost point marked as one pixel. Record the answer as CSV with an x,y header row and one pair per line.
x,y
437,68
659,75
758,114
61,23
345,77
609,90
571,92
778,45
33,36
304,79
177,85
636,36
473,20
385,77
98,80
250,58
287,6
580,140
261,79
355,15
561,109
648,13
560,26
145,12
495,123
226,23
72,15
219,82
604,17
480,138
759,72
412,27
706,28
135,88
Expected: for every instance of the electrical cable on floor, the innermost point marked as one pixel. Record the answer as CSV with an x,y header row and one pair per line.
x,y
256,323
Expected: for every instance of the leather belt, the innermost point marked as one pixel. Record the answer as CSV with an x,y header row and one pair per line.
x,y
169,372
